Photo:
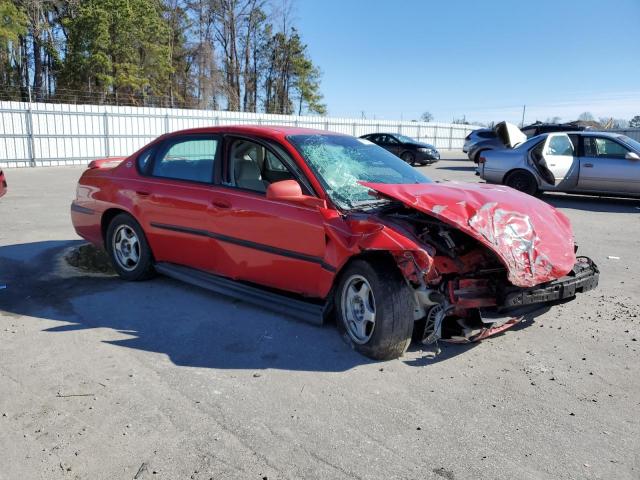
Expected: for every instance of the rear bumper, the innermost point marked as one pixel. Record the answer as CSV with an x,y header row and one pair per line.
x,y
86,223
583,277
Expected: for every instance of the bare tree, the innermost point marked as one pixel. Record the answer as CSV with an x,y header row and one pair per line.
x,y
426,117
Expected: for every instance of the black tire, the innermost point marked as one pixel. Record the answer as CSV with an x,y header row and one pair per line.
x,y
143,268
394,309
522,181
408,157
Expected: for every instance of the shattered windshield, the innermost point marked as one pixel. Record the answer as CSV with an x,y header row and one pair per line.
x,y
342,162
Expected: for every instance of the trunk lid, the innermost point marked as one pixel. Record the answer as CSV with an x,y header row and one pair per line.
x,y
105,163
531,238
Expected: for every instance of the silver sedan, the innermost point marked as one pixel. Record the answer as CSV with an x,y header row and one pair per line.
x,y
580,162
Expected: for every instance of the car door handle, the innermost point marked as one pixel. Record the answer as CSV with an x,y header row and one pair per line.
x,y
218,203
588,165
142,194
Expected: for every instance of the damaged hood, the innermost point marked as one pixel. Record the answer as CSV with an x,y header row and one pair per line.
x,y
531,238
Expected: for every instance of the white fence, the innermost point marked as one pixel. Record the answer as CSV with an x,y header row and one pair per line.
x,y
43,134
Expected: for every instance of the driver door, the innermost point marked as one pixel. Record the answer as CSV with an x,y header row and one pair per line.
x,y
277,244
558,162
605,168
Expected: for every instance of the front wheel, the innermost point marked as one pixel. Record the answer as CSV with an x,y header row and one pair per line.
x,y
522,181
408,157
128,248
375,309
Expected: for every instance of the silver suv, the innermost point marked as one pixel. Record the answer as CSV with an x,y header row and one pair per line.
x,y
479,141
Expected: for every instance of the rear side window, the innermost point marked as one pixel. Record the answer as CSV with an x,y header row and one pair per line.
x,y
189,159
144,160
487,134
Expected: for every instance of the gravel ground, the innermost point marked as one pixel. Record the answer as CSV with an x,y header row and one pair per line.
x,y
102,379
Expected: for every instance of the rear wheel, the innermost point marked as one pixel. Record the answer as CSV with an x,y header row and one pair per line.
x,y
408,157
375,309
522,181
128,248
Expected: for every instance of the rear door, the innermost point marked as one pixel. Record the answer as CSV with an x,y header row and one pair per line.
x,y
604,168
558,161
273,243
173,199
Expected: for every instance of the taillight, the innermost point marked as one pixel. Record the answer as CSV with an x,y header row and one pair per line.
x,y
481,160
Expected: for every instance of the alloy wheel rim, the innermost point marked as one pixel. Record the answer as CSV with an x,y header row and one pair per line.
x,y
358,309
126,247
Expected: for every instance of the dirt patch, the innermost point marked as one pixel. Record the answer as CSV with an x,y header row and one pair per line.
x,y
90,259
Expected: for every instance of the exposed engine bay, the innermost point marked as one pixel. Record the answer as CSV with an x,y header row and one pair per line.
x,y
462,289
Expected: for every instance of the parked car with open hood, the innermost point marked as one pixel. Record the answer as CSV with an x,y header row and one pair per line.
x,y
408,149
507,135
580,162
317,224
503,135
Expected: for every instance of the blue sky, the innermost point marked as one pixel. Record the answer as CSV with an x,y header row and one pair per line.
x,y
482,59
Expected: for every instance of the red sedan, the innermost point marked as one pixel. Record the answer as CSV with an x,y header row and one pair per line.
x,y
318,224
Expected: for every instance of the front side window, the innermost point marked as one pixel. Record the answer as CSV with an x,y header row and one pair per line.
x,y
405,139
189,159
253,167
559,145
603,147
342,162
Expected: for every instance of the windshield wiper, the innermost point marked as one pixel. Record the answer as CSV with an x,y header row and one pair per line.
x,y
369,204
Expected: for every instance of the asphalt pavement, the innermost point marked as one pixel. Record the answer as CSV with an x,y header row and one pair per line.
x,y
104,379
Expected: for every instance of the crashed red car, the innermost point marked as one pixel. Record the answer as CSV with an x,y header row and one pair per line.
x,y
318,224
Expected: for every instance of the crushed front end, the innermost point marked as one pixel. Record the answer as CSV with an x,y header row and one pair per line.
x,y
465,291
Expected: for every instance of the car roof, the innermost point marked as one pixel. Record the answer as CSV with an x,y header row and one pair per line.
x,y
587,133
277,131
591,133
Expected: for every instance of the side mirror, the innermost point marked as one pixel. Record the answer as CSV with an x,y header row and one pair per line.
x,y
632,156
290,191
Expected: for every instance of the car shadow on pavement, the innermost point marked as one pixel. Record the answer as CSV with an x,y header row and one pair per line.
x,y
192,326
458,169
592,203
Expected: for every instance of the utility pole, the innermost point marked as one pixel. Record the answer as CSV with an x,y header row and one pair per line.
x,y
524,109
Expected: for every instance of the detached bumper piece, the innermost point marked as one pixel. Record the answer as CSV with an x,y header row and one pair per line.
x,y
582,278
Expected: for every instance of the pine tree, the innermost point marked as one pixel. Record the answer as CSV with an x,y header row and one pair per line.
x,y
119,48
